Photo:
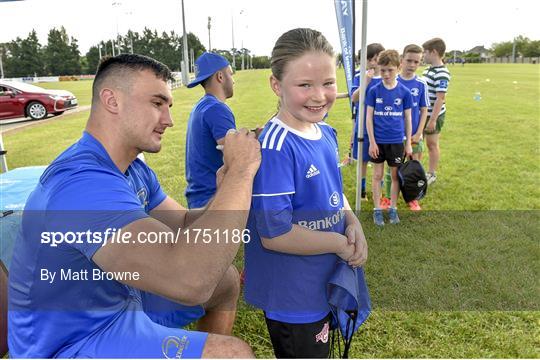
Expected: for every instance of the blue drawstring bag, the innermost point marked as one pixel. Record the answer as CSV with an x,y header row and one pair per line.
x,y
348,297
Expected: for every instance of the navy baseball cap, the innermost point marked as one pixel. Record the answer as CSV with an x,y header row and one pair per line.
x,y
206,65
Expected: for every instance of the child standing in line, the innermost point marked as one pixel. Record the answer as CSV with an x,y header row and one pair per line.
x,y
410,60
300,222
372,78
437,77
388,119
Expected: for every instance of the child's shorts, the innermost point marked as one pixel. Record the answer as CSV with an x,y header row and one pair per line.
x,y
293,341
418,148
438,126
391,153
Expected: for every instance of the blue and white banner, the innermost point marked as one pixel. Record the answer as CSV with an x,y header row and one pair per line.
x,y
345,21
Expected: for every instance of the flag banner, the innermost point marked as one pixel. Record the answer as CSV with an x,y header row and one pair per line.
x,y
345,20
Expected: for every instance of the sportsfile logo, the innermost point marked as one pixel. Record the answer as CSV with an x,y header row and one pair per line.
x,y
312,172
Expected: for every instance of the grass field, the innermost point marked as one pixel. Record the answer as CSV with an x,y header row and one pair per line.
x,y
459,279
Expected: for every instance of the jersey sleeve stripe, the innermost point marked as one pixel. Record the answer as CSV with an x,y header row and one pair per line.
x,y
273,138
281,139
265,141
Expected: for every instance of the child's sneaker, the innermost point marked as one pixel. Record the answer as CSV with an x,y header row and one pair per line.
x,y
431,178
385,203
414,206
392,214
378,217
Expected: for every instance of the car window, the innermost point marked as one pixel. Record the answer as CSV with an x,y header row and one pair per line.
x,y
27,87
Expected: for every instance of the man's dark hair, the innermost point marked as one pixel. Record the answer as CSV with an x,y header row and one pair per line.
x,y
122,65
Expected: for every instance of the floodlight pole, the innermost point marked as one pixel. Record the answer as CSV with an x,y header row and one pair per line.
x,y
514,52
233,49
185,61
209,40
1,65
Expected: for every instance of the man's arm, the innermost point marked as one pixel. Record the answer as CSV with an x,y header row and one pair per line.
x,y
194,267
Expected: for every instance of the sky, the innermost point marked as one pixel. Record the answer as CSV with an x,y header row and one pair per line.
x,y
463,24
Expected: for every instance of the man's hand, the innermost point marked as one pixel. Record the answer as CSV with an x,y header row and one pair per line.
x,y
220,173
355,236
241,152
416,138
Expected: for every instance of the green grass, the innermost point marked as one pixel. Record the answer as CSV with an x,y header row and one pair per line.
x,y
460,279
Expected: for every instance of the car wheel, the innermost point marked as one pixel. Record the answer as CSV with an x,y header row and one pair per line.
x,y
36,110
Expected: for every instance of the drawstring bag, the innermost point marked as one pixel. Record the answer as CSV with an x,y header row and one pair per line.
x,y
412,180
348,297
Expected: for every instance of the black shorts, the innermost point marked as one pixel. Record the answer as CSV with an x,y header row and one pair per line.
x,y
300,340
391,153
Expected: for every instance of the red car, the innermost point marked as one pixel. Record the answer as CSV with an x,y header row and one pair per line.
x,y
18,99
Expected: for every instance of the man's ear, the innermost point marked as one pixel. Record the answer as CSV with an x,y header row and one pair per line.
x,y
275,85
109,100
218,76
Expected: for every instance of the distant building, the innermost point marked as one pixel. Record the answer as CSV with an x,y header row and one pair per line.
x,y
481,51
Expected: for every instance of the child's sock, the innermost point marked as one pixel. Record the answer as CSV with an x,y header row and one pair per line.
x,y
388,183
363,186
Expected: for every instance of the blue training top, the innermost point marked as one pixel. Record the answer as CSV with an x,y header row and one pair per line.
x,y
80,190
298,182
419,92
388,115
208,122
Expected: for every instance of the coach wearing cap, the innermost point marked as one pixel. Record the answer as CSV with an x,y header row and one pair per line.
x,y
208,124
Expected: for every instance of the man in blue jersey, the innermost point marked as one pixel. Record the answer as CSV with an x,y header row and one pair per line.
x,y
208,123
388,120
88,278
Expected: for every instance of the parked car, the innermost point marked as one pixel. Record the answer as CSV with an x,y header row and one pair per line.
x,y
18,99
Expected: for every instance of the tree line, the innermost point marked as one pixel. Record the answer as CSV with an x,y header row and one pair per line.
x,y
61,55
524,47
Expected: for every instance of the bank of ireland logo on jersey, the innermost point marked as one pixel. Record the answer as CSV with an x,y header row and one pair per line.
x,y
312,171
388,108
334,199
